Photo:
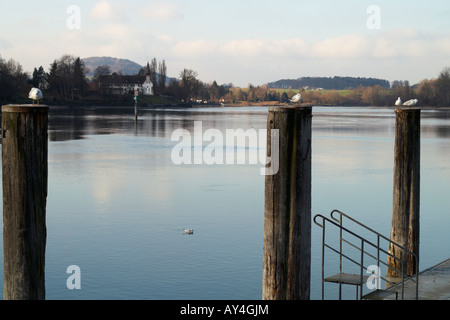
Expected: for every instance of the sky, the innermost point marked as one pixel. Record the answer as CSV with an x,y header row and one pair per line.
x,y
241,42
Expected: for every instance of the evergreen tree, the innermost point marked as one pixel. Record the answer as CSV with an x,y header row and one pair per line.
x,y
79,79
153,68
284,97
162,76
67,78
40,78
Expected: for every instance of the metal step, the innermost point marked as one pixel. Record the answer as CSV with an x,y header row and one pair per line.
x,y
347,278
380,295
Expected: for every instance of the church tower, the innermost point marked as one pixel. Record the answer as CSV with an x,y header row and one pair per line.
x,y
147,86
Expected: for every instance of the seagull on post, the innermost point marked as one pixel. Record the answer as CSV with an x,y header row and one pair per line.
x,y
297,98
35,95
411,102
398,102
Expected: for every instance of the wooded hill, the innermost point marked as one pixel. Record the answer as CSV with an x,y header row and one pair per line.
x,y
331,83
121,66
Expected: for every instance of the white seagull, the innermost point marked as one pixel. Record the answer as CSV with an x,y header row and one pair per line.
x,y
35,94
398,102
297,98
411,102
189,231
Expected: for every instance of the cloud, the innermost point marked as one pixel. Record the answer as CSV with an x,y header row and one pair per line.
x,y
109,39
104,10
164,38
348,46
258,47
393,54
195,48
390,44
115,32
241,48
247,47
409,43
161,11
4,44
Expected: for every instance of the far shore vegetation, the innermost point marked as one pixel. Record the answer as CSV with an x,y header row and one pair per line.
x,y
66,83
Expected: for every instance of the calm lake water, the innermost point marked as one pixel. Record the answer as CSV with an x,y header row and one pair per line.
x,y
117,204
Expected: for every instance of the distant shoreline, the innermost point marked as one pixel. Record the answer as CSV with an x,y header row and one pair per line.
x,y
216,105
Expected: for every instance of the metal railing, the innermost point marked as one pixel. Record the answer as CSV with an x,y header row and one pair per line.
x,y
362,246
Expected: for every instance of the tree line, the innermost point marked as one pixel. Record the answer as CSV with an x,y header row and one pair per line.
x,y
66,82
429,92
13,80
329,83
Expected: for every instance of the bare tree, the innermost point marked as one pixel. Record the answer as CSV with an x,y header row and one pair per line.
x,y
12,80
443,87
426,91
189,84
102,70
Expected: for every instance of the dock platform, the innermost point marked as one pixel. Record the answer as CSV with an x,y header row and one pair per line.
x,y
434,284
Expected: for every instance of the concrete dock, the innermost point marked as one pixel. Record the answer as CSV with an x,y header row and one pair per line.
x,y
434,284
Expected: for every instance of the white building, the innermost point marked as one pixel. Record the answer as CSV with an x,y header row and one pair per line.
x,y
119,84
147,86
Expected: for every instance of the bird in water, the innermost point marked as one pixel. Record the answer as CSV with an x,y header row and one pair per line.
x,y
35,95
189,231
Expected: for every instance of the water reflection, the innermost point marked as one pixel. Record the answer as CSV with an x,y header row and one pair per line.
x,y
77,123
117,205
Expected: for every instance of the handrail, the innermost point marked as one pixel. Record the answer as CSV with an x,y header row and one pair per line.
x,y
359,237
339,224
404,249
369,229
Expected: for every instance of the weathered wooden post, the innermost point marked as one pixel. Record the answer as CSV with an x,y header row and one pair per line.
x,y
406,197
287,212
25,173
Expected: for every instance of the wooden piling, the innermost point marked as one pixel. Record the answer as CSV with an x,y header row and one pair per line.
x,y
25,174
287,213
406,195
135,111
